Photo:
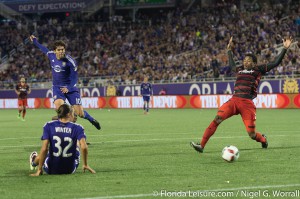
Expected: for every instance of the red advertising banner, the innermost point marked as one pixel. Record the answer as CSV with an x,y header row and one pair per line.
x,y
165,101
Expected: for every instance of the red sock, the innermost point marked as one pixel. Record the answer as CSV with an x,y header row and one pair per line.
x,y
24,113
209,132
259,137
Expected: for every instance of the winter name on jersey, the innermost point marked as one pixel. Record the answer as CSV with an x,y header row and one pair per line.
x,y
63,130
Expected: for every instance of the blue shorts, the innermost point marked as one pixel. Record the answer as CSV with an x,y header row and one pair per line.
x,y
146,98
73,96
47,164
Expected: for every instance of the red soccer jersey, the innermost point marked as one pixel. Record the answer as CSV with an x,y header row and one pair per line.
x,y
23,90
247,81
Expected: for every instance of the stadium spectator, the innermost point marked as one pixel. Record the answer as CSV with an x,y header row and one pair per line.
x,y
22,90
245,90
65,78
61,141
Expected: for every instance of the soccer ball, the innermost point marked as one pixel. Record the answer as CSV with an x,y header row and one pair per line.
x,y
230,153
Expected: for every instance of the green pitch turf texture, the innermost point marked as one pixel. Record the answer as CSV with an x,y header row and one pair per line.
x,y
136,155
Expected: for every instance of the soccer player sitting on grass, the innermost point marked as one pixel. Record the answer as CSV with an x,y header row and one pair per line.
x,y
22,90
245,90
61,141
64,77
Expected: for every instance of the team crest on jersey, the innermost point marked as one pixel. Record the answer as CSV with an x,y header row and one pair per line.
x,y
64,64
290,86
54,97
57,68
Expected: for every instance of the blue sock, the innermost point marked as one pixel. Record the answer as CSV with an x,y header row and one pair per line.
x,y
87,116
147,107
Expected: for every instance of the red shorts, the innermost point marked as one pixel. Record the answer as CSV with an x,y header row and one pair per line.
x,y
244,107
22,102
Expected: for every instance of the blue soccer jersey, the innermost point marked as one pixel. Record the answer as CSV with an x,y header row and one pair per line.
x,y
146,89
64,71
62,157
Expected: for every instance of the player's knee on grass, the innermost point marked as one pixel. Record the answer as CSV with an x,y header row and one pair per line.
x,y
218,119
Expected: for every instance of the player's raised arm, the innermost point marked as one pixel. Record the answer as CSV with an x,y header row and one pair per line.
x,y
230,55
40,46
286,44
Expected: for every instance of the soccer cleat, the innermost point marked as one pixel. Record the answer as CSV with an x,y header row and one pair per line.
x,y
265,144
19,116
197,147
96,124
23,119
31,159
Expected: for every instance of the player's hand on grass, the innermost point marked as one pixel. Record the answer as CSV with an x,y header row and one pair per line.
x,y
86,167
64,90
287,42
32,37
230,44
38,173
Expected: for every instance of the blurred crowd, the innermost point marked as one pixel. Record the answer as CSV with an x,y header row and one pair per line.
x,y
168,46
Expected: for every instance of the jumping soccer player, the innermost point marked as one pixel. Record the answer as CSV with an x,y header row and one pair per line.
x,y
61,141
245,90
22,90
146,92
64,77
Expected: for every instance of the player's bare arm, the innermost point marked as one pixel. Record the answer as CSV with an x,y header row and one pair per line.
x,y
286,44
230,55
32,37
84,152
230,44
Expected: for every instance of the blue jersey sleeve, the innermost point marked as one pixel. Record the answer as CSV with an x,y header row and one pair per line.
x,y
40,46
46,132
73,74
81,133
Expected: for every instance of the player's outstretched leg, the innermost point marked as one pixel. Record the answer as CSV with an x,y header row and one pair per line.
x,y
92,120
262,138
23,114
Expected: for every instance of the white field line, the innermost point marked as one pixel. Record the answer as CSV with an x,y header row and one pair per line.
x,y
158,194
146,134
145,140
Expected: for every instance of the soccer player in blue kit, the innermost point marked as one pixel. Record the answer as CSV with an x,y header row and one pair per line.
x,y
146,92
61,141
64,77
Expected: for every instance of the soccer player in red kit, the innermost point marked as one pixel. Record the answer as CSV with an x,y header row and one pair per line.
x,y
22,90
245,90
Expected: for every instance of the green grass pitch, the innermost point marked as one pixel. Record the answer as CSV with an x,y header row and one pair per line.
x,y
136,155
